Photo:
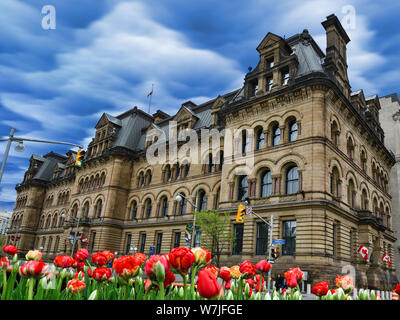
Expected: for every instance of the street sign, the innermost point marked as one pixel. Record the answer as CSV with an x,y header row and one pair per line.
x,y
249,210
279,241
152,250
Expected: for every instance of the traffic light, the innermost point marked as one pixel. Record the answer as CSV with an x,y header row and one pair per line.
x,y
274,253
79,158
240,214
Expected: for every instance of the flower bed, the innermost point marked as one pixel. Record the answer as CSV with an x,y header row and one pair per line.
x,y
137,277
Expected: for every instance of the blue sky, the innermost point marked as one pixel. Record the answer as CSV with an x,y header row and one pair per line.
x,y
104,55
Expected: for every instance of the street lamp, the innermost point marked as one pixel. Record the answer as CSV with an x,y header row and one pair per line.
x,y
179,198
20,147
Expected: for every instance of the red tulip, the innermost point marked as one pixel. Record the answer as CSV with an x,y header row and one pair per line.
x,y
140,258
213,269
248,267
293,277
64,261
108,254
202,256
157,273
33,268
4,262
78,265
102,274
397,288
10,249
169,279
345,282
181,259
320,289
99,259
225,274
75,285
260,283
126,267
81,255
251,283
207,285
263,266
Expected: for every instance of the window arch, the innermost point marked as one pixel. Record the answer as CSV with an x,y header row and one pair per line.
x,y
221,160
243,187
133,210
148,177
363,159
350,148
74,211
293,130
335,133
210,163
291,180
276,134
202,205
148,207
335,182
266,184
351,193
260,136
182,205
186,170
164,206
85,211
168,173
364,200
177,171
245,141
55,219
98,208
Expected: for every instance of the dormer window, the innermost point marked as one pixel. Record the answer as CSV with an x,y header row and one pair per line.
x,y
285,76
253,88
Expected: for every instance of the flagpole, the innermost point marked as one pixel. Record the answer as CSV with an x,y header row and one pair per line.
x,y
151,95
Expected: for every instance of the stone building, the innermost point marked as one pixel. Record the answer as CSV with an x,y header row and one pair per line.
x,y
317,158
390,119
5,219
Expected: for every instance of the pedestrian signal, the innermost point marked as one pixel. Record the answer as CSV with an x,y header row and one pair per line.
x,y
79,158
240,214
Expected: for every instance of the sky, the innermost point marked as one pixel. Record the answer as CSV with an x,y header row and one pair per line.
x,y
56,79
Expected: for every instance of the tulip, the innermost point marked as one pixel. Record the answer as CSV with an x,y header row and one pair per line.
x,y
181,259
140,258
75,285
260,283
64,261
263,266
157,273
202,256
99,259
10,249
248,268
345,282
213,269
33,268
126,267
4,262
33,255
235,272
81,255
108,254
207,285
320,289
101,274
397,288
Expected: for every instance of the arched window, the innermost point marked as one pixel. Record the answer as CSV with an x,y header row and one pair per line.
x,y
85,211
364,200
98,208
293,129
216,204
202,200
376,208
276,135
164,207
141,179
186,172
133,210
335,133
243,187
48,221
259,139
177,171
210,163
50,243
168,173
55,218
292,180
245,141
266,184
182,205
148,177
221,160
335,182
363,159
74,211
350,148
148,208
351,194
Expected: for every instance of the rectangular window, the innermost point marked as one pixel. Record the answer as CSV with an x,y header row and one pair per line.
x,y
262,239
142,242
159,241
238,241
197,240
270,63
177,239
269,83
128,243
285,77
289,235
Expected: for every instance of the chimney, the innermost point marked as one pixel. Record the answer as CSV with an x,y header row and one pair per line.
x,y
336,52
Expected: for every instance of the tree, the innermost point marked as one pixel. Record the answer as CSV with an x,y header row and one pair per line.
x,y
217,231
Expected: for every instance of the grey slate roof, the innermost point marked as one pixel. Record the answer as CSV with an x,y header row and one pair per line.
x,y
309,60
45,172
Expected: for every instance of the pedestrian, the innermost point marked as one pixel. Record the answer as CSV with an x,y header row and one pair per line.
x,y
279,282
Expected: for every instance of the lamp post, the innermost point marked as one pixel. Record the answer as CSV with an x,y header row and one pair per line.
x,y
64,215
179,198
271,227
20,147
